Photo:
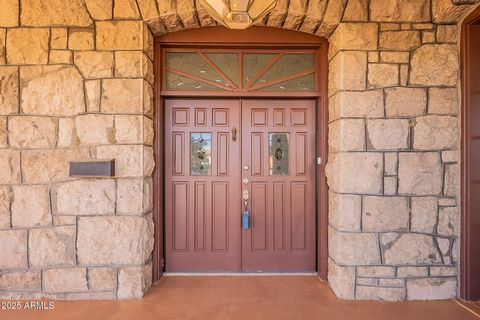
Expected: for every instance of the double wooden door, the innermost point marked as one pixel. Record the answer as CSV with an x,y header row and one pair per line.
x,y
223,156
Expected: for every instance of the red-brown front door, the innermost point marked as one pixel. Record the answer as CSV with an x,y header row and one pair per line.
x,y
202,185
218,150
278,160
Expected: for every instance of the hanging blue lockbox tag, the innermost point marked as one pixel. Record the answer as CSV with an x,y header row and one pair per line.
x,y
245,219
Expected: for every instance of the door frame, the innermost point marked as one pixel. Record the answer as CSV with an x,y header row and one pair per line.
x,y
254,37
466,256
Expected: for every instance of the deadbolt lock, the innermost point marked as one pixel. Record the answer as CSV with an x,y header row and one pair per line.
x,y
245,181
245,194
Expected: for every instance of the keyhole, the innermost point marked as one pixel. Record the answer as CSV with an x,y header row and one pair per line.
x,y
278,154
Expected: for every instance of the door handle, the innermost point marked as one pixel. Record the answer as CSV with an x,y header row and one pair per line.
x,y
234,134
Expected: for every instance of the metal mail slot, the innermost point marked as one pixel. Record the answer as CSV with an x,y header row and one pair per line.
x,y
96,168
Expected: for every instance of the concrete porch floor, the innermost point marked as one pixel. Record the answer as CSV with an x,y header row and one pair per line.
x,y
256,297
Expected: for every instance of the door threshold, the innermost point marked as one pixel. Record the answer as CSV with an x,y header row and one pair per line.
x,y
237,274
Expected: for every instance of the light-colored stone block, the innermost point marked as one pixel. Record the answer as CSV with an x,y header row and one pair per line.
x,y
397,249
32,132
9,90
365,104
388,134
125,240
341,280
394,57
382,75
382,214
81,39
435,64
133,196
20,280
51,90
424,214
443,101
53,246
420,173
27,46
13,251
30,206
359,172
405,102
65,280
344,211
400,11
412,272
128,129
129,159
48,166
92,93
356,10
100,9
390,185
5,201
126,9
391,163
347,135
353,249
64,220
443,271
60,57
3,133
447,33
102,278
134,282
354,36
94,64
59,38
94,129
347,71
122,96
446,11
9,13
55,13
448,221
119,35
379,293
451,185
375,271
129,64
84,197
399,40
431,288
9,166
435,132
428,36
67,137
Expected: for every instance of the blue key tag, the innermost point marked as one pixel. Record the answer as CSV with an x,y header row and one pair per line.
x,y
245,219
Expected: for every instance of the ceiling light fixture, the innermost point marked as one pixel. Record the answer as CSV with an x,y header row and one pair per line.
x,y
238,14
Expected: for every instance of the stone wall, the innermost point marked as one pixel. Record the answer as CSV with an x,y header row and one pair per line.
x,y
393,172
76,84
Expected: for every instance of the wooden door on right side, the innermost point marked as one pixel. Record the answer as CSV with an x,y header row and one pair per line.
x,y
278,171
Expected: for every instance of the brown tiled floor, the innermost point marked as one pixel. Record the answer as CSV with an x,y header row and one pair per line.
x,y
248,298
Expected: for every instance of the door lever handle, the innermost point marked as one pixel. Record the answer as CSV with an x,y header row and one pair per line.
x,y
234,134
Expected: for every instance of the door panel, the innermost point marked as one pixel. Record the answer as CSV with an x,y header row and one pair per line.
x,y
202,186
278,147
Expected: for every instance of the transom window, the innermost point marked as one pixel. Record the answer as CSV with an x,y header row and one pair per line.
x,y
211,70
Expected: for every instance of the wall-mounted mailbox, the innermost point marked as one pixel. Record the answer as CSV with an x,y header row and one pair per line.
x,y
94,168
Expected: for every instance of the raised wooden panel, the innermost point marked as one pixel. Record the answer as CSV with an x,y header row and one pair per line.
x,y
220,199
279,205
257,153
301,153
220,117
259,117
299,117
298,211
180,117
180,216
259,215
178,152
279,117
200,117
200,211
222,153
